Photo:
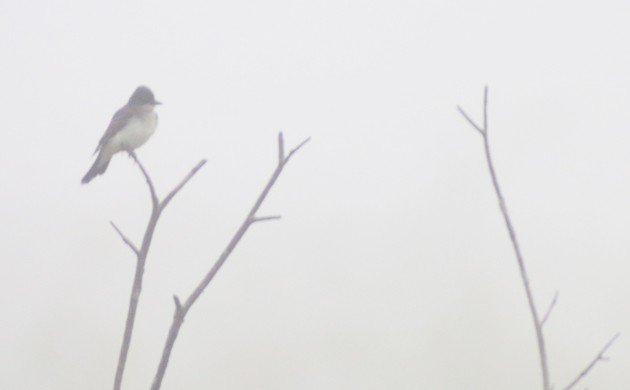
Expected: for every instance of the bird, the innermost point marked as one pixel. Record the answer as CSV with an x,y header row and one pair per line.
x,y
130,127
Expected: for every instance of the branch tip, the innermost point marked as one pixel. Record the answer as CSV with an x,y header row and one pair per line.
x,y
267,218
469,119
280,148
485,109
125,239
548,312
294,150
600,357
175,190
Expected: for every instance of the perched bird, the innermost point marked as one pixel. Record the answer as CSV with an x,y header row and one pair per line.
x,y
129,129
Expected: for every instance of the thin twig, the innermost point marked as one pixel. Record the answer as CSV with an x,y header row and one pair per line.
x,y
472,123
598,358
141,255
508,223
485,110
154,198
294,150
175,190
124,238
280,148
548,312
269,218
182,309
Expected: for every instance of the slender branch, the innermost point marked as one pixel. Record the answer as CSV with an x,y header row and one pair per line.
x,y
175,190
485,110
548,312
598,358
182,309
154,198
125,239
519,257
262,219
141,255
472,123
280,148
294,150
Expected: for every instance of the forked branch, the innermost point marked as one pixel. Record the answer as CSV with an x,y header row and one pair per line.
x,y
141,257
181,309
538,323
508,223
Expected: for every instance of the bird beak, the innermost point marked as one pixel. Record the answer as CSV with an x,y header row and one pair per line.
x,y
156,102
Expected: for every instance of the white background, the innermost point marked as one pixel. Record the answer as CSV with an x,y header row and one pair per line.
x,y
391,267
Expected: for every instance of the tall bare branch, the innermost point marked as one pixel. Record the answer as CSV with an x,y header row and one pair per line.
x,y
181,309
517,251
141,257
538,323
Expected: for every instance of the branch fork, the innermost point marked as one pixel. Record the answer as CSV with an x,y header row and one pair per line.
x,y
181,309
141,257
538,323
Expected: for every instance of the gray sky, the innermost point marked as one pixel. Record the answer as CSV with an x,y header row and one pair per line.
x,y
391,267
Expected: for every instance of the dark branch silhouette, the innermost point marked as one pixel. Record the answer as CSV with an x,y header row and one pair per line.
x,y
141,256
181,309
538,323
517,251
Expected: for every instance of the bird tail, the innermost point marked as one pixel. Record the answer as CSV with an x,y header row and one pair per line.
x,y
98,168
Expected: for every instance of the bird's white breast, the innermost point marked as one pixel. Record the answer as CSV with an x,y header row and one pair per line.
x,y
138,130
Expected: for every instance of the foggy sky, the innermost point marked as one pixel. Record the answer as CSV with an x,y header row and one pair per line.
x,y
391,267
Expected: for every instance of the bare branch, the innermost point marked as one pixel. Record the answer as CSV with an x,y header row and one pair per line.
x,y
182,184
141,255
154,198
262,219
485,109
125,239
510,228
548,312
135,296
472,123
178,304
180,314
280,148
286,160
598,358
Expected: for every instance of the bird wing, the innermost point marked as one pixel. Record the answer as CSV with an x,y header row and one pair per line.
x,y
118,122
